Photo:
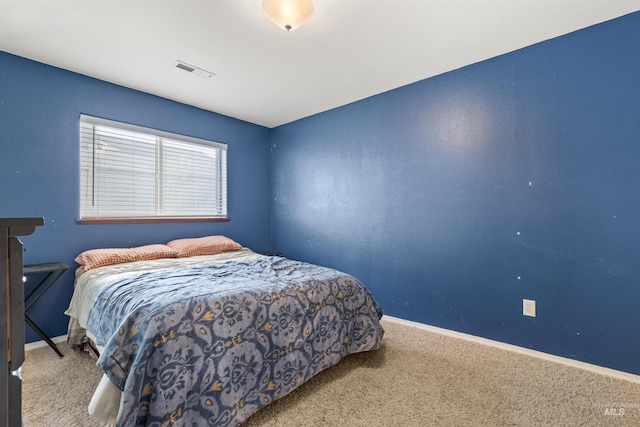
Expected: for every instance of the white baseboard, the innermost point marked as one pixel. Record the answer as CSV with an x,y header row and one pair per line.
x,y
601,370
526,351
38,344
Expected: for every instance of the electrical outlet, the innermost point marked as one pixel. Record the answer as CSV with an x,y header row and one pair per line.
x,y
529,307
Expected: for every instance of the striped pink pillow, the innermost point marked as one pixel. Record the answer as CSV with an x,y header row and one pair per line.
x,y
209,245
94,258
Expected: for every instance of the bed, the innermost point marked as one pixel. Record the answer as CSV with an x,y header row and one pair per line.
x,y
187,338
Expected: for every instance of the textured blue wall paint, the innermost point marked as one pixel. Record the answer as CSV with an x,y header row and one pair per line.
x,y
420,192
456,197
39,169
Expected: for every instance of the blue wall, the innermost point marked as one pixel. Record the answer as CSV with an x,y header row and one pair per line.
x,y
456,197
452,198
39,169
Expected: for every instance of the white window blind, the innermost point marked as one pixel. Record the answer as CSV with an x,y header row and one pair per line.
x,y
129,171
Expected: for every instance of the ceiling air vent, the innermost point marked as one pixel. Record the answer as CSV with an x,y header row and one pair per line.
x,y
193,69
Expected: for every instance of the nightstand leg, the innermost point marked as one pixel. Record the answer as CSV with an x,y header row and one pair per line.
x,y
43,335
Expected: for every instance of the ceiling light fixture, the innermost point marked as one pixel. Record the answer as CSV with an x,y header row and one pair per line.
x,y
288,14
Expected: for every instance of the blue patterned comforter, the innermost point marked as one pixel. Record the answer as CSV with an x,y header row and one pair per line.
x,y
212,344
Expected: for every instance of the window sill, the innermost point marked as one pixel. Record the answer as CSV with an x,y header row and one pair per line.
x,y
151,219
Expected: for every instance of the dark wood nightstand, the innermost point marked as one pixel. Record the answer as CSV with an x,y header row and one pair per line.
x,y
52,272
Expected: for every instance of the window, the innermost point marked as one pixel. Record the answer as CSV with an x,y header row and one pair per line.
x,y
130,173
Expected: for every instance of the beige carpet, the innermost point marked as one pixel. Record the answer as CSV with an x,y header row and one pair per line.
x,y
418,378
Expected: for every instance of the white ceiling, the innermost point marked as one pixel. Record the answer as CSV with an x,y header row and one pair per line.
x,y
348,50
